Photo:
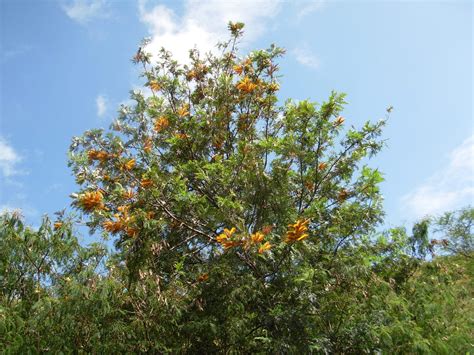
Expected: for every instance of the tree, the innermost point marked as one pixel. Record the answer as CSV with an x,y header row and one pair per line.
x,y
208,179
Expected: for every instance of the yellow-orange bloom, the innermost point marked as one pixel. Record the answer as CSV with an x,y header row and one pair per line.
x,y
230,243
183,111
113,226
203,277
296,232
161,123
181,135
266,229
129,194
146,183
224,238
340,120
264,248
148,145
129,164
238,69
190,75
98,155
322,165
58,225
257,237
154,85
91,200
342,195
246,85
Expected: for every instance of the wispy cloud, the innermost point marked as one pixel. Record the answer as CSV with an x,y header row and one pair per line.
x,y
449,188
11,53
308,7
84,11
204,23
9,159
101,104
305,57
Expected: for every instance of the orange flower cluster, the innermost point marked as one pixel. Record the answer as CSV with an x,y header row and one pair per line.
x,y
98,155
264,248
181,135
161,123
339,121
238,69
203,277
342,195
257,237
246,85
183,111
58,225
146,183
122,222
224,238
90,201
154,85
129,194
297,231
322,166
148,145
129,164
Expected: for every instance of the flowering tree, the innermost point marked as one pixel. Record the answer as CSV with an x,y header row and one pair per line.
x,y
207,172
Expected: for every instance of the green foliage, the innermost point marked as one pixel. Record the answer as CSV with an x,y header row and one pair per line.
x,y
240,226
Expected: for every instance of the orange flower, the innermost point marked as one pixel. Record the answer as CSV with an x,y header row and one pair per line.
x,y
340,120
150,215
112,226
238,69
264,248
297,231
203,277
146,183
129,194
191,75
131,232
224,238
129,164
183,111
273,87
229,244
58,225
267,229
322,166
148,145
98,155
342,195
257,237
154,85
246,85
181,135
161,123
91,200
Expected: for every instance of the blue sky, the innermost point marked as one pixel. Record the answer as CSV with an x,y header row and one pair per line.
x,y
65,67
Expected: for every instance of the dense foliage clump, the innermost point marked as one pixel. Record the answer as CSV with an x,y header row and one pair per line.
x,y
240,225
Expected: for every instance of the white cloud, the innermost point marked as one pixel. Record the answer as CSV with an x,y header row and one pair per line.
x,y
84,11
449,188
101,103
204,23
305,57
308,7
9,158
